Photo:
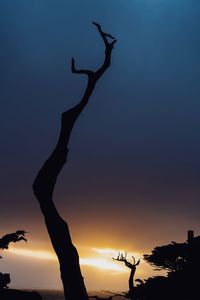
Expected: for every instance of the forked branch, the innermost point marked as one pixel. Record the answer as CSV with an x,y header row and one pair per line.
x,y
122,257
76,71
93,76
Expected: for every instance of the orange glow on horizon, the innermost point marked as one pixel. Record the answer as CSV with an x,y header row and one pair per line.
x,y
97,265
38,254
97,262
114,253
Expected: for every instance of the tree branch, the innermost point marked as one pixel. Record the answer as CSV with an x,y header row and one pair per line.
x,y
93,76
108,50
82,71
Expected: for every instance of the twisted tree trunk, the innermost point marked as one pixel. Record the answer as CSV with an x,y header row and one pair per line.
x,y
44,184
132,266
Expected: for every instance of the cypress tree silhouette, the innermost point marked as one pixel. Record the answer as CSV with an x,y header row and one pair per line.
x,y
44,183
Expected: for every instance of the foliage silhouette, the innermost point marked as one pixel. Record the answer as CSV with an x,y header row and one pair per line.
x,y
182,262
5,293
5,241
17,236
4,280
170,257
44,183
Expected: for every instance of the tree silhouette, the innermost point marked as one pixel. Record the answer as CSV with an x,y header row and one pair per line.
x,y
172,257
182,262
44,183
17,236
5,241
131,266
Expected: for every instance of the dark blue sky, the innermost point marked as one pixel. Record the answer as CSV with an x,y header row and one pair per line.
x,y
134,165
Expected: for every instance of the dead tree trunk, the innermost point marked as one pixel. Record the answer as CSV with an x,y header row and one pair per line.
x,y
131,279
132,266
44,184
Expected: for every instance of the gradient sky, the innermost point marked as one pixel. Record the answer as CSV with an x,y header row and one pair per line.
x,y
132,177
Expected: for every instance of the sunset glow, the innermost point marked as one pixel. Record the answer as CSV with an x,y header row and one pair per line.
x,y
114,253
100,151
101,263
97,262
38,254
105,251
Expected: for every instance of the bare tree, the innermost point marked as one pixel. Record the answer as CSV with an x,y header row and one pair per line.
x,y
44,183
131,266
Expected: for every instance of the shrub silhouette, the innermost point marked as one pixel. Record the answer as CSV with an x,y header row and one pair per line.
x,y
5,241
